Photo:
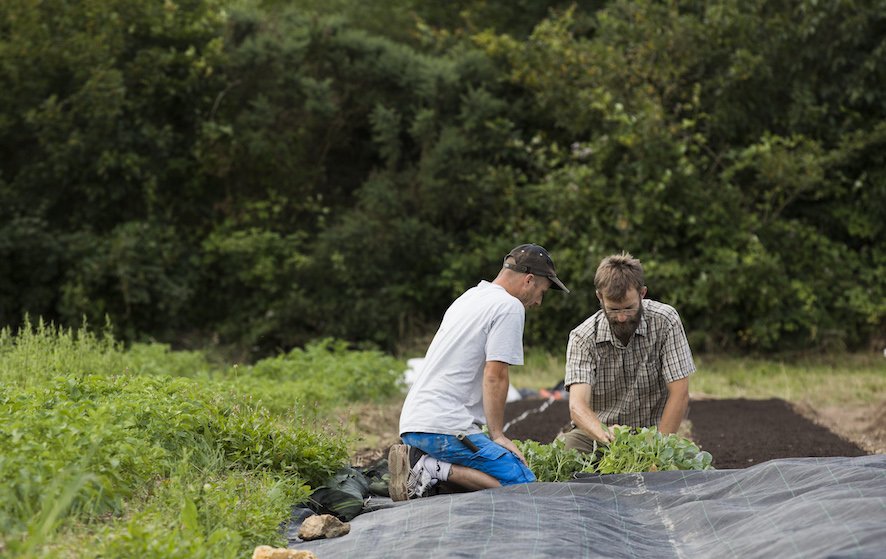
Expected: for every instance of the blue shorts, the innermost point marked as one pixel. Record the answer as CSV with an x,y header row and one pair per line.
x,y
493,459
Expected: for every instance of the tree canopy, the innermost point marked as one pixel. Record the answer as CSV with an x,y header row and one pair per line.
x,y
266,173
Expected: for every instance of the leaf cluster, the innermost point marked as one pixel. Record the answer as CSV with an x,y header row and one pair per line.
x,y
648,450
552,462
630,451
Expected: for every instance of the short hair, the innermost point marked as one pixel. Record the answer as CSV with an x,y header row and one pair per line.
x,y
618,273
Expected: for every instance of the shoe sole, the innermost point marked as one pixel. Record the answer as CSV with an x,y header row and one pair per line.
x,y
398,465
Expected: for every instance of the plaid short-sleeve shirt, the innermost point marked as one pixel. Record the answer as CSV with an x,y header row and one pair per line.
x,y
629,383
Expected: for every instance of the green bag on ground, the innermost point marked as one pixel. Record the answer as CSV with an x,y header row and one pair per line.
x,y
379,477
343,494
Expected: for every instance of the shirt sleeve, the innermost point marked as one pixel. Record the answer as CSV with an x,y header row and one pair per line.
x,y
580,364
676,358
504,342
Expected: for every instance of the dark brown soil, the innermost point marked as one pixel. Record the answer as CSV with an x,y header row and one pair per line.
x,y
737,433
741,433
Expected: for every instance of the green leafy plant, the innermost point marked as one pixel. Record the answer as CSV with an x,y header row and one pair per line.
x,y
118,452
552,462
647,450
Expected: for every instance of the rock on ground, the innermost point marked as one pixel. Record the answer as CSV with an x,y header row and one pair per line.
x,y
322,526
268,552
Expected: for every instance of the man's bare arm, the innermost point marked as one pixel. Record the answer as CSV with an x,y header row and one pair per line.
x,y
582,415
675,408
496,383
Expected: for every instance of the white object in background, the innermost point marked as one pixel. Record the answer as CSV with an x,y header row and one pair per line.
x,y
415,364
884,353
513,394
411,373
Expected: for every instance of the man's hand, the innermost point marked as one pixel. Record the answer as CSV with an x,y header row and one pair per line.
x,y
509,445
600,434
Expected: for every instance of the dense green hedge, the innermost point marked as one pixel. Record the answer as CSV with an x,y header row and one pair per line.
x,y
259,175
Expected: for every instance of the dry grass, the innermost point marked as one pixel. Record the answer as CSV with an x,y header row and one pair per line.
x,y
376,427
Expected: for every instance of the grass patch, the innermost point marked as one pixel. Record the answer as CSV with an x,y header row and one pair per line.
x,y
541,369
824,380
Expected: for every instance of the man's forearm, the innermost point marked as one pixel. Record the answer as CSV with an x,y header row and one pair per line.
x,y
496,383
671,418
675,408
582,415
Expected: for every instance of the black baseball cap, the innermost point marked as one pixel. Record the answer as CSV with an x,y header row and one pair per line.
x,y
534,259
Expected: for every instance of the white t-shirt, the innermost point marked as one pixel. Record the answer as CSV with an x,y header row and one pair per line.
x,y
484,324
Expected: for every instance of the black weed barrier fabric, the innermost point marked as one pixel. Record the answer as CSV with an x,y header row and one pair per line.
x,y
793,507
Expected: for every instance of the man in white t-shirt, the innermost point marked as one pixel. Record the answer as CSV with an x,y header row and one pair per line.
x,y
463,385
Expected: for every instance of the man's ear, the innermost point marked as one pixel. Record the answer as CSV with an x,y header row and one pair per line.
x,y
599,298
643,293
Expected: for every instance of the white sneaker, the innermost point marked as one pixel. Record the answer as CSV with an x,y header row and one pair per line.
x,y
409,478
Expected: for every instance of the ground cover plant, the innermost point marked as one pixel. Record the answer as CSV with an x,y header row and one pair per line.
x,y
118,452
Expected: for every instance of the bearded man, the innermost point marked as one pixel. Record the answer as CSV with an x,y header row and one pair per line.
x,y
629,363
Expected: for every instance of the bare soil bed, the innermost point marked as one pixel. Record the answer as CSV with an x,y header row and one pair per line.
x,y
737,433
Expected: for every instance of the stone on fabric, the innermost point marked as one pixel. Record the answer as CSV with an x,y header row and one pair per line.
x,y
322,526
268,552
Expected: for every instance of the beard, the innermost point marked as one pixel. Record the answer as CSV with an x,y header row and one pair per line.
x,y
624,330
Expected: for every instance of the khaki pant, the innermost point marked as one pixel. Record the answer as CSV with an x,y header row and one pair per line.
x,y
578,440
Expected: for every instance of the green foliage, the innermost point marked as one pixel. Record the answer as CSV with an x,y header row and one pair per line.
x,y
101,103
684,151
178,456
255,273
327,370
552,462
40,353
367,153
138,273
647,450
266,173
199,515
408,21
821,380
103,97
125,431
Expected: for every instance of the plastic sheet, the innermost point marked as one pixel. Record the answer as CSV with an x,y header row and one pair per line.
x,y
794,507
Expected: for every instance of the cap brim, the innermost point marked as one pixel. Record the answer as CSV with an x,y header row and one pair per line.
x,y
557,284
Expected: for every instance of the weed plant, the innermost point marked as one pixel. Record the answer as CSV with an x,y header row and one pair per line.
x,y
117,452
